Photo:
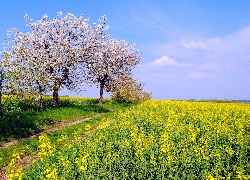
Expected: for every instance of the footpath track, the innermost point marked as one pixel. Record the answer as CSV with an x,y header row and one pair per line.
x,y
56,128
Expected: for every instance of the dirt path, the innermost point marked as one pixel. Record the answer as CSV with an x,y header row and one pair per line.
x,y
26,160
56,128
60,126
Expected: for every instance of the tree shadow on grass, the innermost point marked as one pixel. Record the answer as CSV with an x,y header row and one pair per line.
x,y
17,125
22,124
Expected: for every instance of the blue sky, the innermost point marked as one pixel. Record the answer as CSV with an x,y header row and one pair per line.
x,y
191,49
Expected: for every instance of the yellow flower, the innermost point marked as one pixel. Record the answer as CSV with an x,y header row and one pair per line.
x,y
193,136
50,173
210,177
164,150
83,163
83,168
206,158
46,149
14,171
87,127
230,151
217,154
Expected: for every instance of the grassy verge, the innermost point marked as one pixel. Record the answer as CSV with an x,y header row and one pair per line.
x,y
20,124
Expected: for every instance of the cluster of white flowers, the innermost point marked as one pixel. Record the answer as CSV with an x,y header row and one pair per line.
x,y
64,52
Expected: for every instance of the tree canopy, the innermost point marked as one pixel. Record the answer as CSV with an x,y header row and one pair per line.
x,y
65,52
115,58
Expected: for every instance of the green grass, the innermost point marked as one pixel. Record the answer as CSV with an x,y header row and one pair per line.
x,y
34,122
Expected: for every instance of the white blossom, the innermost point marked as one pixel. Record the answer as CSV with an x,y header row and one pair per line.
x,y
52,55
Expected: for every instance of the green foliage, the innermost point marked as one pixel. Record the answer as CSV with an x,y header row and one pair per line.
x,y
13,103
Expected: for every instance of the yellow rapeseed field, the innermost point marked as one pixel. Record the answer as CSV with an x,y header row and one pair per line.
x,y
154,140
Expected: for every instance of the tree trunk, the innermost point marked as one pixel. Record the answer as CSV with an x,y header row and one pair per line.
x,y
55,98
1,83
41,103
101,91
1,88
55,93
102,83
1,107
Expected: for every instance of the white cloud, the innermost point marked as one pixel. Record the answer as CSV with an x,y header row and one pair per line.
x,y
213,62
200,75
166,61
193,45
209,66
233,48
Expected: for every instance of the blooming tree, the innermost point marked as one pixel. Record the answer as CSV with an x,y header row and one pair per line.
x,y
53,55
1,90
24,71
114,58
